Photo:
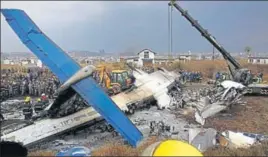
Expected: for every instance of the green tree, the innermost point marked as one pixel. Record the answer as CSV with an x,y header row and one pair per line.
x,y
248,50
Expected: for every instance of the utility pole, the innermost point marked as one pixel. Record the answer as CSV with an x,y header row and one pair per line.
x,y
170,37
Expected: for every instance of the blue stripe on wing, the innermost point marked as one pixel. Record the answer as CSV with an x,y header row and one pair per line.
x,y
63,66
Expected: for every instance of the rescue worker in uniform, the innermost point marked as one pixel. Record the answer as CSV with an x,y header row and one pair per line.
x,y
27,108
44,99
38,107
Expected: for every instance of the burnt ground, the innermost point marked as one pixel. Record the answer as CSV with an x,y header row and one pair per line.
x,y
252,118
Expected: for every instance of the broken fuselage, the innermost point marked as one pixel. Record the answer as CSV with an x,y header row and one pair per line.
x,y
150,87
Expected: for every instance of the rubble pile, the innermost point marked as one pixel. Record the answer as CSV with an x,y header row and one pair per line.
x,y
205,102
209,101
12,109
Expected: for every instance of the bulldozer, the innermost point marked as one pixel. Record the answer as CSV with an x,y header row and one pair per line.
x,y
113,81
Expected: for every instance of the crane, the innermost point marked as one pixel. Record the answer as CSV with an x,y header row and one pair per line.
x,y
238,73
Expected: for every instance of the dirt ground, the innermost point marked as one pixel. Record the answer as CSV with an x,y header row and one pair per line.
x,y
251,118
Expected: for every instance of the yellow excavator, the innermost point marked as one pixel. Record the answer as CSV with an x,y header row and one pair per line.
x,y
114,81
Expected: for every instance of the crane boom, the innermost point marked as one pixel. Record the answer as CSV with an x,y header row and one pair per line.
x,y
209,37
238,73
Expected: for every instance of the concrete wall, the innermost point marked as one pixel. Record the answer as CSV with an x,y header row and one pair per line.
x,y
258,61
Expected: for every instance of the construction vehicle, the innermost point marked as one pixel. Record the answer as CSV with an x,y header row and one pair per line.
x,y
238,73
113,81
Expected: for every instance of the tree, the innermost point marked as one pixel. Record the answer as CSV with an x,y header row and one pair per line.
x,y
248,50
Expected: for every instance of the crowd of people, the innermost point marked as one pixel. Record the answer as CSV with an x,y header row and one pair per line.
x,y
190,76
221,76
32,83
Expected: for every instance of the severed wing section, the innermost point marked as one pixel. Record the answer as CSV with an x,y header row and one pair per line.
x,y
63,66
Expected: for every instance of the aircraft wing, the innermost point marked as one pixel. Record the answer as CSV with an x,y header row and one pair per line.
x,y
63,66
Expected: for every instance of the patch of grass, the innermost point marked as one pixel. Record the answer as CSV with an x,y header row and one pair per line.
x,y
116,149
210,67
254,150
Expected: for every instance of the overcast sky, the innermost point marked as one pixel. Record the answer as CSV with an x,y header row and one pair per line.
x,y
132,26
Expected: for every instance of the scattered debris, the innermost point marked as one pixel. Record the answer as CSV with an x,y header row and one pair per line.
x,y
241,139
210,101
202,139
75,151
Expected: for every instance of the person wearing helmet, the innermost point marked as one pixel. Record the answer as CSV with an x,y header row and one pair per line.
x,y
44,100
27,99
38,107
171,148
27,108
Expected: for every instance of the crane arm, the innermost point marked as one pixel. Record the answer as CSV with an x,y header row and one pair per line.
x,y
235,65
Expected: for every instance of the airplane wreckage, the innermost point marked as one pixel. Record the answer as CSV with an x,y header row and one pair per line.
x,y
161,87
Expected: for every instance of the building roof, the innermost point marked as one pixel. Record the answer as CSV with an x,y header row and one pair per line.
x,y
147,50
147,59
130,58
257,57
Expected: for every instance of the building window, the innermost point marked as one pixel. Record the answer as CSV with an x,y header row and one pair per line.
x,y
146,54
258,61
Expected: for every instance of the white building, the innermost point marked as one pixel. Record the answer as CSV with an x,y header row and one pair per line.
x,y
39,63
24,62
6,61
258,60
32,60
146,57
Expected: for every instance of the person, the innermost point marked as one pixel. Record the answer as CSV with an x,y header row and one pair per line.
x,y
218,76
171,148
260,77
44,98
223,76
38,107
248,77
27,108
12,149
30,88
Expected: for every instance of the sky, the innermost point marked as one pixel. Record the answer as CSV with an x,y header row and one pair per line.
x,y
118,26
